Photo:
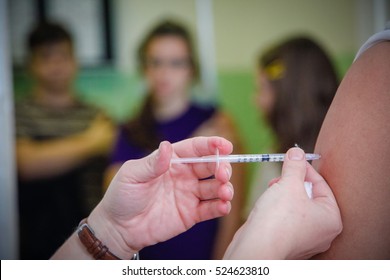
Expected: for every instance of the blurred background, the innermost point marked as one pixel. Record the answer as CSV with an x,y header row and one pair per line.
x,y
229,35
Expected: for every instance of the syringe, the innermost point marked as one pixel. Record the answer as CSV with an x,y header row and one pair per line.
x,y
240,158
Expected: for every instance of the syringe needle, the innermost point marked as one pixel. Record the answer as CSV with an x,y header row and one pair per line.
x,y
240,158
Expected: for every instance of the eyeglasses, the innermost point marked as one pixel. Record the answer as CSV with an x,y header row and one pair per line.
x,y
176,64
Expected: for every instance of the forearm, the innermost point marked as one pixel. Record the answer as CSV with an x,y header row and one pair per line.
x,y
227,228
74,249
250,244
49,158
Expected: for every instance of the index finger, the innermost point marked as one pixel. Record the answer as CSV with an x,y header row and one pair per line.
x,y
202,146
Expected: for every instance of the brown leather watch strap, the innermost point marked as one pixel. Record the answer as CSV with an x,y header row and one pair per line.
x,y
94,246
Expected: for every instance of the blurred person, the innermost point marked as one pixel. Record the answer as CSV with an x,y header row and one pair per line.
x,y
296,85
61,146
167,61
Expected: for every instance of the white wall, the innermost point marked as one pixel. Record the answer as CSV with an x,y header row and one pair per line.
x,y
243,28
371,17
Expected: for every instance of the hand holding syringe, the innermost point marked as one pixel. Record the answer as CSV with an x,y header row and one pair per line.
x,y
246,158
239,158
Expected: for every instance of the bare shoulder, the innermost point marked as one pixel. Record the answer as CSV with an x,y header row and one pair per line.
x,y
354,142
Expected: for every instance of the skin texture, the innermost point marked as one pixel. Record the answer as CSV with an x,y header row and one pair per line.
x,y
355,146
150,192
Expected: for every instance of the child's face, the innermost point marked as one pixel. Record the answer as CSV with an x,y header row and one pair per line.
x,y
168,70
54,66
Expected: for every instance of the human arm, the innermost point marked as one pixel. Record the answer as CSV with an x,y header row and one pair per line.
x,y
355,146
149,200
285,223
43,159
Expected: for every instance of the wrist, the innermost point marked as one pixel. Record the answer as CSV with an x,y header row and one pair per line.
x,y
110,236
273,241
260,240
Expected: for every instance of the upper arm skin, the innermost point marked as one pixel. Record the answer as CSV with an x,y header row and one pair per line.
x,y
354,142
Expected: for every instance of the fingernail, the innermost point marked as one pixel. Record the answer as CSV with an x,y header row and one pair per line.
x,y
296,154
228,172
231,189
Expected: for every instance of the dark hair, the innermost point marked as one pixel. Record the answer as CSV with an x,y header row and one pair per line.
x,y
47,33
304,82
141,130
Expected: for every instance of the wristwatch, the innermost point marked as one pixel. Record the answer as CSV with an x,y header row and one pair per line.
x,y
93,245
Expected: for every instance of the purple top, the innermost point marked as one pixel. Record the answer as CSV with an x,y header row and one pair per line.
x,y
197,242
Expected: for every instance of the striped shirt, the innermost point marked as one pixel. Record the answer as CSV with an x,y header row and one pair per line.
x,y
50,208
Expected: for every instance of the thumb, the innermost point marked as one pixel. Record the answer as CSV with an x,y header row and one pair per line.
x,y
294,166
152,166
